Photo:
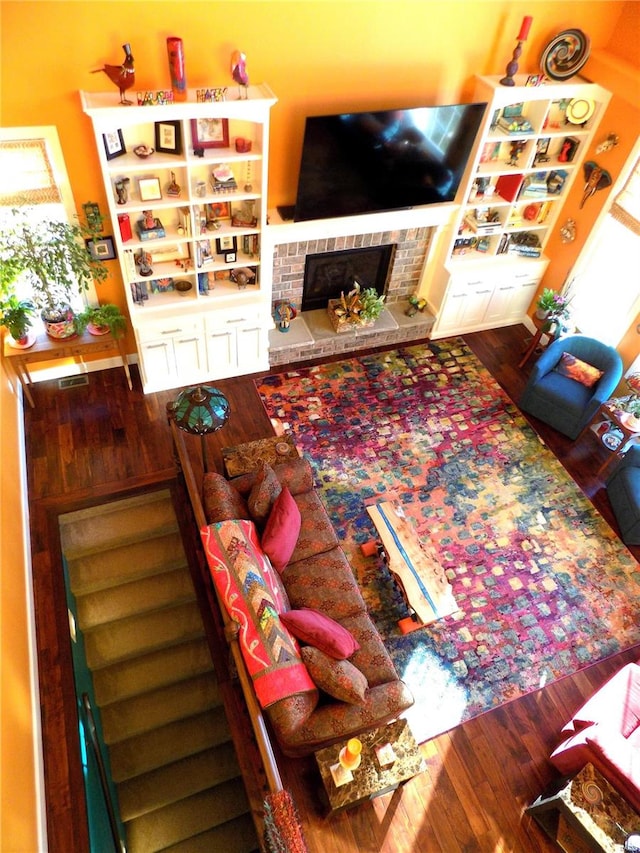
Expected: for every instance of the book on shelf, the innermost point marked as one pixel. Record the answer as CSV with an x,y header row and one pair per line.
x,y
508,186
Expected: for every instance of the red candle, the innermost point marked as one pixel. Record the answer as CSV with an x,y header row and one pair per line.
x,y
524,29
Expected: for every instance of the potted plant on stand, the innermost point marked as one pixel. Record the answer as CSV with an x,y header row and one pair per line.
x,y
16,315
57,264
102,319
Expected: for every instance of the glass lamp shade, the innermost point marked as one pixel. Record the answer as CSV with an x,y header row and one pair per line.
x,y
200,410
633,381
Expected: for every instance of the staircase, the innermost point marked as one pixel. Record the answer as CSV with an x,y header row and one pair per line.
x,y
172,760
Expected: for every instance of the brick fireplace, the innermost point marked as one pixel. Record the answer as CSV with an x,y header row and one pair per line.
x,y
310,335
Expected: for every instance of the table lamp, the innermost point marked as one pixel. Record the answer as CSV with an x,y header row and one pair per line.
x,y
200,411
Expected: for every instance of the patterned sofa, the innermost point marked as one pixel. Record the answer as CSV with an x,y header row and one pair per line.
x,y
325,675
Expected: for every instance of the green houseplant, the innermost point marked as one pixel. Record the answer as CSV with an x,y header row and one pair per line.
x,y
101,319
55,260
372,304
16,315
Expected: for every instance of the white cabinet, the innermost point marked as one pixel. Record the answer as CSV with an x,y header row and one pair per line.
x,y
188,217
236,342
172,353
485,297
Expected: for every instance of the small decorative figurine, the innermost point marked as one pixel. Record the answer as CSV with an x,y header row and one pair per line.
x,y
173,188
144,263
122,75
568,231
596,179
122,190
284,313
239,71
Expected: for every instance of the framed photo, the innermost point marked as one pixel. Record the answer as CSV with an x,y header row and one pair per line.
x,y
210,132
113,144
149,189
168,137
230,257
101,250
226,243
220,210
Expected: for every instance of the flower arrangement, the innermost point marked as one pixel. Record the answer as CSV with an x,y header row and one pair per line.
x,y
554,305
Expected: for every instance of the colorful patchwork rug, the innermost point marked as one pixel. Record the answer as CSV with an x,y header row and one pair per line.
x,y
543,585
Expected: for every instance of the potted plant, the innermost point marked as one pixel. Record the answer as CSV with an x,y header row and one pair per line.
x,y
55,259
372,304
16,315
102,319
545,303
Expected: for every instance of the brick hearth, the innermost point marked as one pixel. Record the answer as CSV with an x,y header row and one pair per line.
x,y
311,335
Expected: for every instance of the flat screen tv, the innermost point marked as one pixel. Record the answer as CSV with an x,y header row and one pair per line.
x,y
369,162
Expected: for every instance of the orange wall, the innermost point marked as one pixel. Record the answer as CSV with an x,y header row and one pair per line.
x,y
318,56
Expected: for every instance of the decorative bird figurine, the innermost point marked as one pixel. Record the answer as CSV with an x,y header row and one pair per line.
x,y
122,75
239,71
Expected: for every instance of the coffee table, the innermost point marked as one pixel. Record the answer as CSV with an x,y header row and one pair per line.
x,y
418,573
245,457
370,779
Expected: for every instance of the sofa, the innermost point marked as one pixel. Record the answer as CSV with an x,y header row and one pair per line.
x,y
623,491
317,664
605,732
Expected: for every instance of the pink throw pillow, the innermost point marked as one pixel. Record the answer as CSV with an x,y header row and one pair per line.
x,y
282,530
319,630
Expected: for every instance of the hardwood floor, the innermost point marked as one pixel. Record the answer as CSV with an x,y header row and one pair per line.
x,y
90,443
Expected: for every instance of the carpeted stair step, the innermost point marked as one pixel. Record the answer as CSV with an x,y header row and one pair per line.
x,y
196,814
91,530
176,781
125,563
142,634
236,836
131,717
166,744
150,593
151,671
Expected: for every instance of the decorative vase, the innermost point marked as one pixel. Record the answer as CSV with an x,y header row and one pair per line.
x,y
175,52
351,754
97,330
542,313
59,323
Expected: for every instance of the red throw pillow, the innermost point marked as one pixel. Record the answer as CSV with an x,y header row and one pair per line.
x,y
578,370
282,530
323,632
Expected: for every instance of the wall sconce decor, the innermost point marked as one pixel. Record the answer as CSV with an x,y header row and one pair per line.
x,y
568,231
610,142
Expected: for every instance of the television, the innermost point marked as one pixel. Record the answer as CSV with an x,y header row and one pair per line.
x,y
367,162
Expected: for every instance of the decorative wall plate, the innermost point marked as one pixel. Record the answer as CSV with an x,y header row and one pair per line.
x,y
580,110
565,54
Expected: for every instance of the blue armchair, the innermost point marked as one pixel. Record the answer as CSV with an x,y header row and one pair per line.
x,y
564,403
623,490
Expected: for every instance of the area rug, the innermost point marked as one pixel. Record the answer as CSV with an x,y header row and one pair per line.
x,y
543,585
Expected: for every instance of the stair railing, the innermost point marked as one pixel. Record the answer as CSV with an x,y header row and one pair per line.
x,y
119,845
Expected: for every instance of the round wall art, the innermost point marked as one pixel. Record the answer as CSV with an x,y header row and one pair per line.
x,y
565,54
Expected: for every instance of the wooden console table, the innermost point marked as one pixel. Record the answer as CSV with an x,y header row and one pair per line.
x,y
17,361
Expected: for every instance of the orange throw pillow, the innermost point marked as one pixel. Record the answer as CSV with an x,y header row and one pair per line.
x,y
577,370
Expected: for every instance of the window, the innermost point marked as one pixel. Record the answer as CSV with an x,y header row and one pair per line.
x,y
33,173
606,282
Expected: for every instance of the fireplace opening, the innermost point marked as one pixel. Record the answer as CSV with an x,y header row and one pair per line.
x,y
328,274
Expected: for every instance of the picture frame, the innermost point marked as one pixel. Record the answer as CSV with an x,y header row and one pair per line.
x,y
210,132
220,210
225,244
102,249
230,257
149,188
168,137
113,144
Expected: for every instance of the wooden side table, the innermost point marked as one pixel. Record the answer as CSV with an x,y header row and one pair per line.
x,y
540,325
17,361
611,411
246,457
370,779
585,813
